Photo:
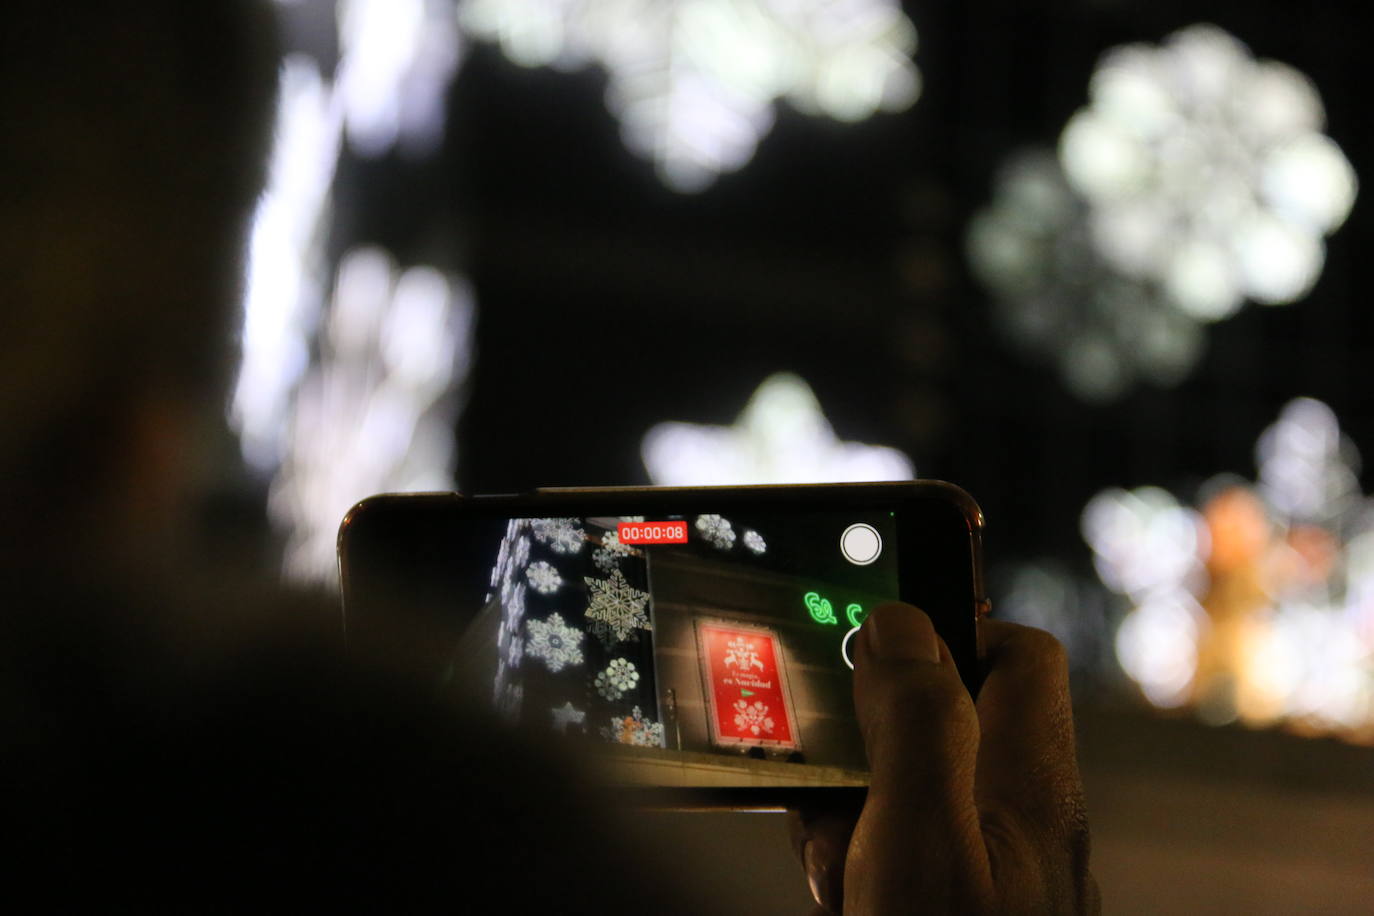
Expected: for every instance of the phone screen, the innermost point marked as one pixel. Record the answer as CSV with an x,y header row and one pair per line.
x,y
699,649
698,645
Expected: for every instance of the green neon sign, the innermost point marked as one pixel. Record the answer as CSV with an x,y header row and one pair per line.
x,y
856,614
821,610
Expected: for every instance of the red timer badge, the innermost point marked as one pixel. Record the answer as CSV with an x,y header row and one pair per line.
x,y
746,685
674,532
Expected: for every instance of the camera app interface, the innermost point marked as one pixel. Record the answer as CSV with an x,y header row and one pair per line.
x,y
688,650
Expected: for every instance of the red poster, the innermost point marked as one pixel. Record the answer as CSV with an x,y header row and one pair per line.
x,y
746,685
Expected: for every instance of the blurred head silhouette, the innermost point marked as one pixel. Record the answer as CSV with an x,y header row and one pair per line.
x,y
134,146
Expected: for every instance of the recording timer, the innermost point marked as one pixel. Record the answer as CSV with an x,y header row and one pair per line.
x,y
674,532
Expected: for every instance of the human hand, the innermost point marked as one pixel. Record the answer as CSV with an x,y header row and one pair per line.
x,y
971,807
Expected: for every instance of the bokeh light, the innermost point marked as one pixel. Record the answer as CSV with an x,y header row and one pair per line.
x,y
693,82
1196,178
377,412
343,395
1259,605
782,436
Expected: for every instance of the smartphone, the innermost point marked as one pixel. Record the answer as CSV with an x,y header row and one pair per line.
x,y
693,644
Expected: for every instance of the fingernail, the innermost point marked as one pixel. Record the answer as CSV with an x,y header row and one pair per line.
x,y
902,634
823,884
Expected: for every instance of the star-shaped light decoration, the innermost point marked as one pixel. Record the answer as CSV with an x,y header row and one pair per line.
x,y
566,715
694,82
781,437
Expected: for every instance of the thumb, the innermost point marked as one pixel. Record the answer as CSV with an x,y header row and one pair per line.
x,y
918,839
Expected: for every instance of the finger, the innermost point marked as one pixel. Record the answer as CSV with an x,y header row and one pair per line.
x,y
820,841
1029,791
921,734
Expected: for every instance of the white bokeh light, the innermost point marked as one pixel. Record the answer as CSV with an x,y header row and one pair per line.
x,y
1207,172
340,399
1196,179
693,82
1261,605
397,59
782,436
377,413
283,292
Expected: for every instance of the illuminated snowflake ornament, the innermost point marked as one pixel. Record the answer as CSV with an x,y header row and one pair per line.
x,y
1057,297
694,82
617,604
619,677
543,578
1196,178
554,642
717,531
782,436
1207,172
755,542
634,729
607,556
563,535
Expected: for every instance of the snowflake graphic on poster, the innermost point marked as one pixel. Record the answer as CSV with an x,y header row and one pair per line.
x,y
717,531
742,654
543,578
753,718
694,83
619,677
634,729
607,557
552,640
563,535
566,715
617,604
755,542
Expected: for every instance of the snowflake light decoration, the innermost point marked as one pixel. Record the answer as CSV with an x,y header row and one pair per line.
x,y
717,531
567,715
1207,171
554,642
1260,606
1058,298
755,542
617,604
1197,177
694,82
753,718
634,729
543,578
619,677
781,437
563,535
608,555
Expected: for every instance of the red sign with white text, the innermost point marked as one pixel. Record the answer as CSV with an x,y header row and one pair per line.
x,y
746,686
